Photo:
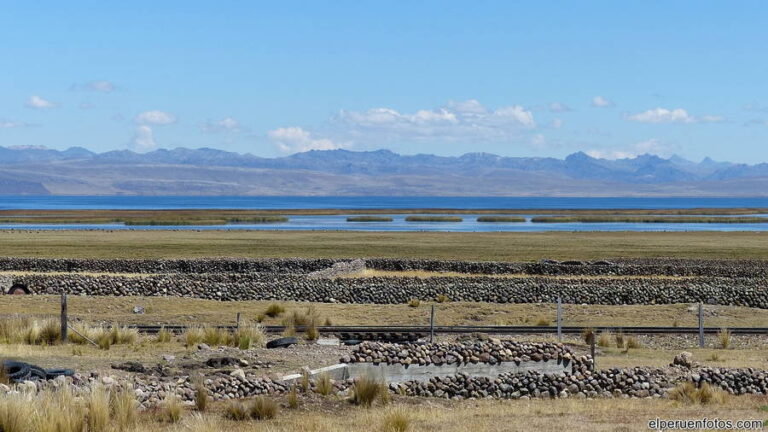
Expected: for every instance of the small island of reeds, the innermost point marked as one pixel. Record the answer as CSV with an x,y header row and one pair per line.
x,y
369,219
433,219
501,219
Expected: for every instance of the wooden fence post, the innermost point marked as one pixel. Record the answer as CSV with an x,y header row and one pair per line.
x,y
432,325
64,337
559,319
701,325
238,321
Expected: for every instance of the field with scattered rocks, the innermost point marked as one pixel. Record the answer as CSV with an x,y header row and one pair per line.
x,y
646,375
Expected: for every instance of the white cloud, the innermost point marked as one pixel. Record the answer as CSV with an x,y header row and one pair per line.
x,y
677,115
559,107
296,139
556,123
601,102
227,124
102,86
37,102
143,139
10,124
157,118
456,121
650,146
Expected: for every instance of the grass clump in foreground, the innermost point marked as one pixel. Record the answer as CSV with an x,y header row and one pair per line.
x,y
369,219
724,338
688,393
367,389
433,219
501,219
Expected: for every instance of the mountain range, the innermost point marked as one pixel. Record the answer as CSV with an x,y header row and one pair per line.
x,y
206,171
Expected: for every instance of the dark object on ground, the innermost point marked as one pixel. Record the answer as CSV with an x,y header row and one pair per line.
x,y
20,371
218,362
349,342
282,342
18,289
130,366
53,373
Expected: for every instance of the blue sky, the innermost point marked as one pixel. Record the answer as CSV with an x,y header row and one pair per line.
x,y
271,78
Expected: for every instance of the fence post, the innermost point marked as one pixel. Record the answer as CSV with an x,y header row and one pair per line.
x,y
432,325
238,321
592,352
64,337
559,320
701,325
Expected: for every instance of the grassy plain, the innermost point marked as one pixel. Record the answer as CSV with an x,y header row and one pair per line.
x,y
475,246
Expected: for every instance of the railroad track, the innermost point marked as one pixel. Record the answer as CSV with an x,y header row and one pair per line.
x,y
479,329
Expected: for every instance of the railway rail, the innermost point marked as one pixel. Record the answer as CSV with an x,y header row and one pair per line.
x,y
150,329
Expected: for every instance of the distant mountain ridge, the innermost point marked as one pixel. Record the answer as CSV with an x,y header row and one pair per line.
x,y
207,171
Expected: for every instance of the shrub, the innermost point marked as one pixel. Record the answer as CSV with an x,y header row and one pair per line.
x,y
97,403
724,338
323,384
396,420
605,339
274,310
172,408
706,394
543,321
163,336
264,408
442,298
366,390
236,410
414,303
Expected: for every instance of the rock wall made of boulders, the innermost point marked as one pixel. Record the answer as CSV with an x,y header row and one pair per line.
x,y
734,381
626,267
751,292
492,351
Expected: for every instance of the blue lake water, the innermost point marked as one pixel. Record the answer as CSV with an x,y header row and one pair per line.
x,y
338,222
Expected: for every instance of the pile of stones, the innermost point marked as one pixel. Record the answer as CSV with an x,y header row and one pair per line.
x,y
734,381
635,382
491,351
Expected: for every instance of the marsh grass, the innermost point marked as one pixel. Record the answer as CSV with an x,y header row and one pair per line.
x,y
433,219
369,219
501,219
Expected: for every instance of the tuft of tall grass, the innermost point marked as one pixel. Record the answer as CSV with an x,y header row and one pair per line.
x,y
724,338
706,394
633,343
163,336
293,398
543,321
605,339
588,335
414,303
396,420
97,404
192,336
201,395
171,409
442,298
366,390
312,333
619,340
124,408
236,410
264,408
274,310
323,384
250,335
215,336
